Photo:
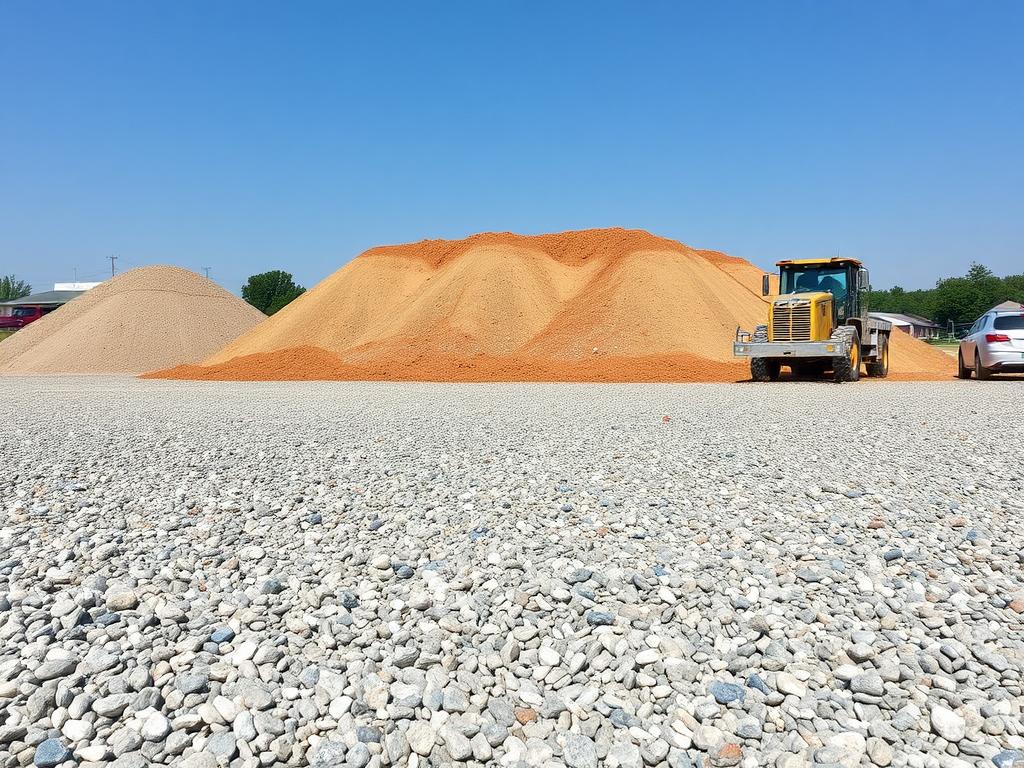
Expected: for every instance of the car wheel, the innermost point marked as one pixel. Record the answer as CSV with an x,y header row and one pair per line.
x,y
980,370
962,371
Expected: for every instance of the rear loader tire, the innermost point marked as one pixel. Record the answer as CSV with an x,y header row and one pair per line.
x,y
764,369
847,368
879,367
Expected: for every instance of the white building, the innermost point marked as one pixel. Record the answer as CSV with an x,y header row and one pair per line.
x,y
918,327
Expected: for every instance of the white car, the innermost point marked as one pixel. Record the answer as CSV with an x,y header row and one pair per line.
x,y
995,344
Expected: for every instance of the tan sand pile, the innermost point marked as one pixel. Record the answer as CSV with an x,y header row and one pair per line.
x,y
911,358
147,318
560,296
595,305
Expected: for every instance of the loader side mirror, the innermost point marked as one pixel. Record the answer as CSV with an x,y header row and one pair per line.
x,y
766,284
863,280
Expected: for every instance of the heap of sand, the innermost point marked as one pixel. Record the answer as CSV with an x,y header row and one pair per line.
x,y
146,318
594,305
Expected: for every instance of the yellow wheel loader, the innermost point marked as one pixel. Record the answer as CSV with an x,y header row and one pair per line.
x,y
819,322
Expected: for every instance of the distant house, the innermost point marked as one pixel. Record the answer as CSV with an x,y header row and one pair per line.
x,y
918,327
36,305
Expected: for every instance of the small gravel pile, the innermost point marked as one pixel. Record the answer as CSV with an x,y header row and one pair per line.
x,y
146,318
357,575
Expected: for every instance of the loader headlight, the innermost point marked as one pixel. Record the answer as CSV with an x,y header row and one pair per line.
x,y
741,348
830,347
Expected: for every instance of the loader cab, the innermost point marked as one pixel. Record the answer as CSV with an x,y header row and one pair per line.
x,y
845,279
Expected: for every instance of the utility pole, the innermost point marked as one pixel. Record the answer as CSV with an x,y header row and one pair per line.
x,y
112,260
207,271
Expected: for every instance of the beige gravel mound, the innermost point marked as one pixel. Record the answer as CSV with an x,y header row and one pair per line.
x,y
147,318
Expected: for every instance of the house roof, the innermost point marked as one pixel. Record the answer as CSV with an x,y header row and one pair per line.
x,y
46,298
919,320
1011,306
901,319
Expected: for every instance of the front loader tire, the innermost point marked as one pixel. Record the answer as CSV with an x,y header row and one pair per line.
x,y
847,368
764,369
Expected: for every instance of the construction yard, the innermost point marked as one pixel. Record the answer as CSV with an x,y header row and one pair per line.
x,y
337,573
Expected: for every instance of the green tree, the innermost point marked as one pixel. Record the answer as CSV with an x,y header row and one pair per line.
x,y
1013,288
271,291
896,299
962,299
13,288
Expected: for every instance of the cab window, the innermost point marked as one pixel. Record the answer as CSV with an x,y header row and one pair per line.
x,y
814,279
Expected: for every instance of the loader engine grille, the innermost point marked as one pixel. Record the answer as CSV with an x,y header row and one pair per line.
x,y
791,321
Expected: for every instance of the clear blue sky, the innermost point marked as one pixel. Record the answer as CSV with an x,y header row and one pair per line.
x,y
246,136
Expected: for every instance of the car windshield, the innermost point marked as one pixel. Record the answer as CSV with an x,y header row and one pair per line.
x,y
812,279
1009,323
23,311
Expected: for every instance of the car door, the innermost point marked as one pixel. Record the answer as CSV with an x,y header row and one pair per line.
x,y
968,345
980,341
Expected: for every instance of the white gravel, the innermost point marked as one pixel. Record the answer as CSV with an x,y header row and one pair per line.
x,y
544,575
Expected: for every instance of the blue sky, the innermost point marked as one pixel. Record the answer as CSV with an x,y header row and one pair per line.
x,y
249,136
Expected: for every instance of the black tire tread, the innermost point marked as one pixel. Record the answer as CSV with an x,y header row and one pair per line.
x,y
980,371
841,368
764,369
962,371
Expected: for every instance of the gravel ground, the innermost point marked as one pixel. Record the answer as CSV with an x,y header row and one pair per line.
x,y
524,575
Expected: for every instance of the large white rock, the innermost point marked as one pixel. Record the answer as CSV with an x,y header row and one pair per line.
x,y
789,685
156,727
421,738
947,723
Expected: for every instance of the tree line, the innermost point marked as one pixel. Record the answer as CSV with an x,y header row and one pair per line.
x,y
960,299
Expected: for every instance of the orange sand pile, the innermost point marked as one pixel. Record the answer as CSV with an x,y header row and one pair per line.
x,y
146,318
315,364
595,305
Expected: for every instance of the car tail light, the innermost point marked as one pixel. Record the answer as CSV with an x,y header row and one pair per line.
x,y
993,337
